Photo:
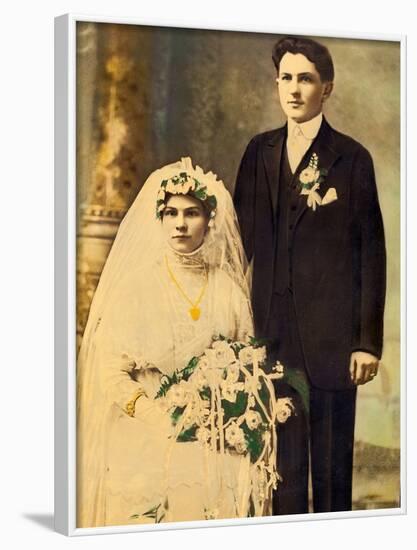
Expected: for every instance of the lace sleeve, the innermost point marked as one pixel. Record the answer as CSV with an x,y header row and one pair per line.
x,y
120,380
120,362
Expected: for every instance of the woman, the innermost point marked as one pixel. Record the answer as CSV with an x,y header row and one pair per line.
x,y
174,280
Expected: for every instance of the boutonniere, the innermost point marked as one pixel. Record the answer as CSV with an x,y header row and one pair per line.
x,y
310,180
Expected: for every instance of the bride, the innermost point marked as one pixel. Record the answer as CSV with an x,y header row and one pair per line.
x,y
174,281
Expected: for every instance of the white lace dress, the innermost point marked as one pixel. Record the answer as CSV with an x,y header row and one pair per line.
x,y
130,469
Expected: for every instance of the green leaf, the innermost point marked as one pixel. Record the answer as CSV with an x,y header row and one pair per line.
x,y
212,201
176,414
238,347
177,376
254,441
200,194
189,369
264,396
165,385
187,435
164,183
205,394
257,342
297,379
160,519
235,409
152,512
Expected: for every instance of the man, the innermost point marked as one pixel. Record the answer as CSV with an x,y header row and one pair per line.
x,y
308,208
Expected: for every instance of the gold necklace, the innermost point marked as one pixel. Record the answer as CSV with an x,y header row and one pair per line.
x,y
195,310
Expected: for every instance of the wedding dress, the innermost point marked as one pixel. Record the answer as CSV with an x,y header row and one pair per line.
x,y
131,469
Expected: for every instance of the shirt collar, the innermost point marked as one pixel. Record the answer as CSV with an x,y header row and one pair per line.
x,y
309,129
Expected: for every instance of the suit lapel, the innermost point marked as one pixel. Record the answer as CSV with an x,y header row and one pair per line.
x,y
327,154
272,153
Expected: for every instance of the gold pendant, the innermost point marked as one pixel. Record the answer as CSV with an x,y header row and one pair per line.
x,y
195,313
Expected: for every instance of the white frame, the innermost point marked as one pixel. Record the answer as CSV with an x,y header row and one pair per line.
x,y
65,281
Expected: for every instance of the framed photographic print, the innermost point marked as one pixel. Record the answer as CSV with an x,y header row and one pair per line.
x,y
229,276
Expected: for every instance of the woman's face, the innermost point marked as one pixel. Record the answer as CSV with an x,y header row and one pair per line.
x,y
184,222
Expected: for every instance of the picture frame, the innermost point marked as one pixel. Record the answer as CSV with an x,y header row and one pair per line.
x,y
66,228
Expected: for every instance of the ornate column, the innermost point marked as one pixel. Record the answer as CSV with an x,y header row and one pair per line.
x,y
112,119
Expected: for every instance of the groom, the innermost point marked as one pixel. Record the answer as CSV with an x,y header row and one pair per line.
x,y
308,209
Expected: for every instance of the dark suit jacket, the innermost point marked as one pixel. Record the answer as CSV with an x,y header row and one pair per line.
x,y
338,251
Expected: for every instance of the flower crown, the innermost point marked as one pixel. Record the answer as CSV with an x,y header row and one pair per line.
x,y
185,184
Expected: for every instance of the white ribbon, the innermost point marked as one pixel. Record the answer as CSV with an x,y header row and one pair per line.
x,y
313,198
255,481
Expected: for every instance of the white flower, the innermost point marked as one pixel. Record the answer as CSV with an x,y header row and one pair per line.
x,y
220,345
215,368
178,394
234,434
203,362
161,194
233,372
213,376
210,359
283,409
252,385
198,379
192,184
309,175
204,411
202,434
253,419
223,352
170,187
241,447
278,368
229,392
246,355
163,404
186,187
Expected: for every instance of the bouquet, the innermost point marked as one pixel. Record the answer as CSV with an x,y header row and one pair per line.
x,y
226,401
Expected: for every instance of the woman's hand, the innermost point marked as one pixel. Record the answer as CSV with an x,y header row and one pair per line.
x,y
151,411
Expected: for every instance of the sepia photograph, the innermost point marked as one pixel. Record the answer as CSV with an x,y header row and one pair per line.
x,y
238,275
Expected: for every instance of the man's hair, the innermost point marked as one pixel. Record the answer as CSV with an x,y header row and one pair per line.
x,y
313,51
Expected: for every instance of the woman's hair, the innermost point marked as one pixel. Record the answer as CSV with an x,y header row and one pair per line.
x,y
312,50
204,204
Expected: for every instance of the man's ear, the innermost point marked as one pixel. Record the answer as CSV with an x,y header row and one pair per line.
x,y
328,88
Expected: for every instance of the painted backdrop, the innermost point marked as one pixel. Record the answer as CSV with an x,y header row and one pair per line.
x,y
147,96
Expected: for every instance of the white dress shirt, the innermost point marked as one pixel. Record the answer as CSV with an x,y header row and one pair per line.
x,y
300,137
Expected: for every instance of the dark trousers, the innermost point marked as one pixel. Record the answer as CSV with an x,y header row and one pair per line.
x,y
322,439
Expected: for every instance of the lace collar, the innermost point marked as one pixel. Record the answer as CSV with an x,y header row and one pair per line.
x,y
194,259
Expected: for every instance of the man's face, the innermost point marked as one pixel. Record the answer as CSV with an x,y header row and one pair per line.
x,y
301,91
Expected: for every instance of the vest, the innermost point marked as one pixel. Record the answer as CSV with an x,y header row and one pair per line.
x,y
287,210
